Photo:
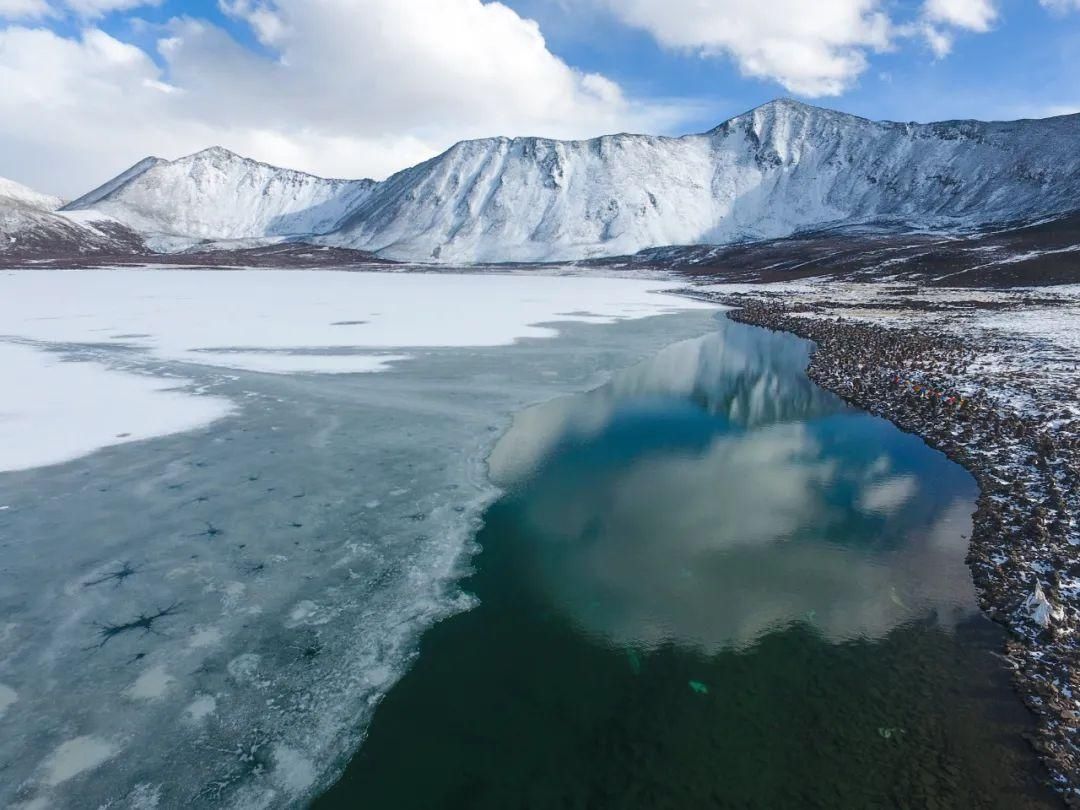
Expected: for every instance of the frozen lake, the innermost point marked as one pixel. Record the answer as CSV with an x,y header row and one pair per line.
x,y
710,584
231,502
236,506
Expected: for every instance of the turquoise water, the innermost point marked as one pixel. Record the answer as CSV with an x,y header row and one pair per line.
x,y
709,584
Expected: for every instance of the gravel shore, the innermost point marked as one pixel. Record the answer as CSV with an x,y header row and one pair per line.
x,y
1018,438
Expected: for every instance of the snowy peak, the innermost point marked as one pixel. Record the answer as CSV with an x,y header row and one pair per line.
x,y
87,200
12,192
786,116
217,195
779,132
216,153
220,159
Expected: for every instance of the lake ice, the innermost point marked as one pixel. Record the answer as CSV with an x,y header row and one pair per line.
x,y
276,322
211,574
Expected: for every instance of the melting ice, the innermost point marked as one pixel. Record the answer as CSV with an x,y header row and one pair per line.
x,y
209,617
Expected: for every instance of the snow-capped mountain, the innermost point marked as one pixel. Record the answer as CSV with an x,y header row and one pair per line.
x,y
775,170
215,195
12,192
778,169
32,227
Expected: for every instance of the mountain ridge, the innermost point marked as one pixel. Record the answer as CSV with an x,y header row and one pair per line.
x,y
775,170
758,175
217,195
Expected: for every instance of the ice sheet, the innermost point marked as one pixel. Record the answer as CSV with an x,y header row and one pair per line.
x,y
54,410
272,322
308,318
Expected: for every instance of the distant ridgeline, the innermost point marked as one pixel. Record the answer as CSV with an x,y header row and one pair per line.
x,y
780,169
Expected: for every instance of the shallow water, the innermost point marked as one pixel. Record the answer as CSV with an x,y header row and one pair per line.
x,y
709,584
208,619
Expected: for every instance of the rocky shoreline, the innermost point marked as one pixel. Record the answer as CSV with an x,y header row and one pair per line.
x,y
1024,553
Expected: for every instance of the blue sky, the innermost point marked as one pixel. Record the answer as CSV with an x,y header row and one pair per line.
x,y
1027,64
352,87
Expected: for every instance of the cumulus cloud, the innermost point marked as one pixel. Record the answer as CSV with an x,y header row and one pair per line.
x,y
33,9
98,8
973,15
941,20
336,91
939,40
814,49
23,9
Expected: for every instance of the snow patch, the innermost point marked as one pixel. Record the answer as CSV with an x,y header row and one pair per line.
x,y
1040,609
77,756
145,796
293,772
151,685
199,709
55,410
8,696
205,637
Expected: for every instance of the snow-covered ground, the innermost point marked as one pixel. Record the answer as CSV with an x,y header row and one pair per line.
x,y
54,410
279,322
208,618
1028,338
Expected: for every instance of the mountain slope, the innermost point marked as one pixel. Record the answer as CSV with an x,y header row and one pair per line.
x,y
773,171
122,179
31,228
12,192
215,195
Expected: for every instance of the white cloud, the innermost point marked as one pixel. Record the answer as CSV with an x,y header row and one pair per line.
x,y
23,9
99,8
939,40
36,9
343,92
972,15
1061,6
942,19
814,49
412,63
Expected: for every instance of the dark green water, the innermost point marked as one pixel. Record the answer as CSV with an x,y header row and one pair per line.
x,y
709,584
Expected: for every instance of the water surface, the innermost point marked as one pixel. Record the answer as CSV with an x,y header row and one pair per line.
x,y
710,584
208,619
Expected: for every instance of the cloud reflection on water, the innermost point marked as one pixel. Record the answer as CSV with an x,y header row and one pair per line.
x,y
750,376
773,505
